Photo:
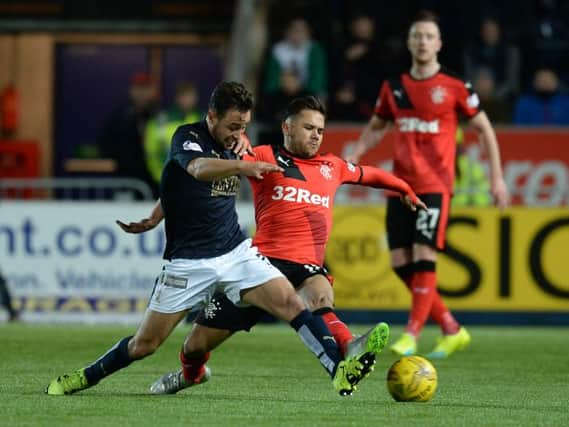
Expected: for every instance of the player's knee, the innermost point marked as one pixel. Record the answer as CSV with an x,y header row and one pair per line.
x,y
294,304
424,253
323,300
141,348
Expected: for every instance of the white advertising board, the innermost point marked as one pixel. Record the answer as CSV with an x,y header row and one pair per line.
x,y
69,261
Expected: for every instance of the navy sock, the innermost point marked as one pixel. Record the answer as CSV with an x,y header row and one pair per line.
x,y
110,362
317,338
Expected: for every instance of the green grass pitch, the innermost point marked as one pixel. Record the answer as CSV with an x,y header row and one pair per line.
x,y
509,376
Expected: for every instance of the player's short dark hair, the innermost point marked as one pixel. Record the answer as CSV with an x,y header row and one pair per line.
x,y
307,102
228,95
425,16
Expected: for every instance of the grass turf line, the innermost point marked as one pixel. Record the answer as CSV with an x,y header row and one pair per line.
x,y
509,376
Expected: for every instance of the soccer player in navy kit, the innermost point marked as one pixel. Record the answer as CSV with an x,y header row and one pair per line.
x,y
206,251
293,214
423,105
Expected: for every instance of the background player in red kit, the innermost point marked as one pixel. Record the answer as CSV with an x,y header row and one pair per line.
x,y
423,105
293,212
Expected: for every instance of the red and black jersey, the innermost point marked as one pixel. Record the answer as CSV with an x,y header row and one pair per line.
x,y
425,114
293,209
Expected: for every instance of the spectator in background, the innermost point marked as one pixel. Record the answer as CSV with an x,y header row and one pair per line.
x,y
550,35
298,53
363,65
498,110
492,53
546,104
274,107
276,102
122,135
471,185
159,130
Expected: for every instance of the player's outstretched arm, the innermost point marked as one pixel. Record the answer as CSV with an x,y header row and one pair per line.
x,y
207,169
377,178
144,224
487,137
371,135
258,169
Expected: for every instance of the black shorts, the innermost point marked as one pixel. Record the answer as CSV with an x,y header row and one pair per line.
x,y
405,227
221,313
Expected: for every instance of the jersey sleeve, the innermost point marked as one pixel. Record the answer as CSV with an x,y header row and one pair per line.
x,y
383,106
259,155
186,146
468,102
249,158
349,173
378,178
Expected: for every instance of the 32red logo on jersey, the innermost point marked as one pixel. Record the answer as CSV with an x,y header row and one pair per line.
x,y
299,195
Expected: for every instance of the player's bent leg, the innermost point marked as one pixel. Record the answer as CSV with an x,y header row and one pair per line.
x,y
276,295
153,330
214,324
316,291
449,344
279,298
203,339
193,357
196,352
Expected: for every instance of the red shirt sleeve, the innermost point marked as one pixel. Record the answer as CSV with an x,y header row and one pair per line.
x,y
260,155
467,102
384,106
378,178
249,158
349,173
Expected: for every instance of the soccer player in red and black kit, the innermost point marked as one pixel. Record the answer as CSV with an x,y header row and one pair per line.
x,y
423,105
206,251
293,212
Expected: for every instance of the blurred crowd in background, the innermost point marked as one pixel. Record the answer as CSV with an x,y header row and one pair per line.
x,y
515,53
518,62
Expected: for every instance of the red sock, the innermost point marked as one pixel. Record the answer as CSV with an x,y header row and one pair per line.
x,y
337,328
439,311
423,287
194,367
441,314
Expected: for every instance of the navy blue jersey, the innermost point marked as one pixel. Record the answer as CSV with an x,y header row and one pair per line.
x,y
201,221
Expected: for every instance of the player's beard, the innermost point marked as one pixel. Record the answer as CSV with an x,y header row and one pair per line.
x,y
310,150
